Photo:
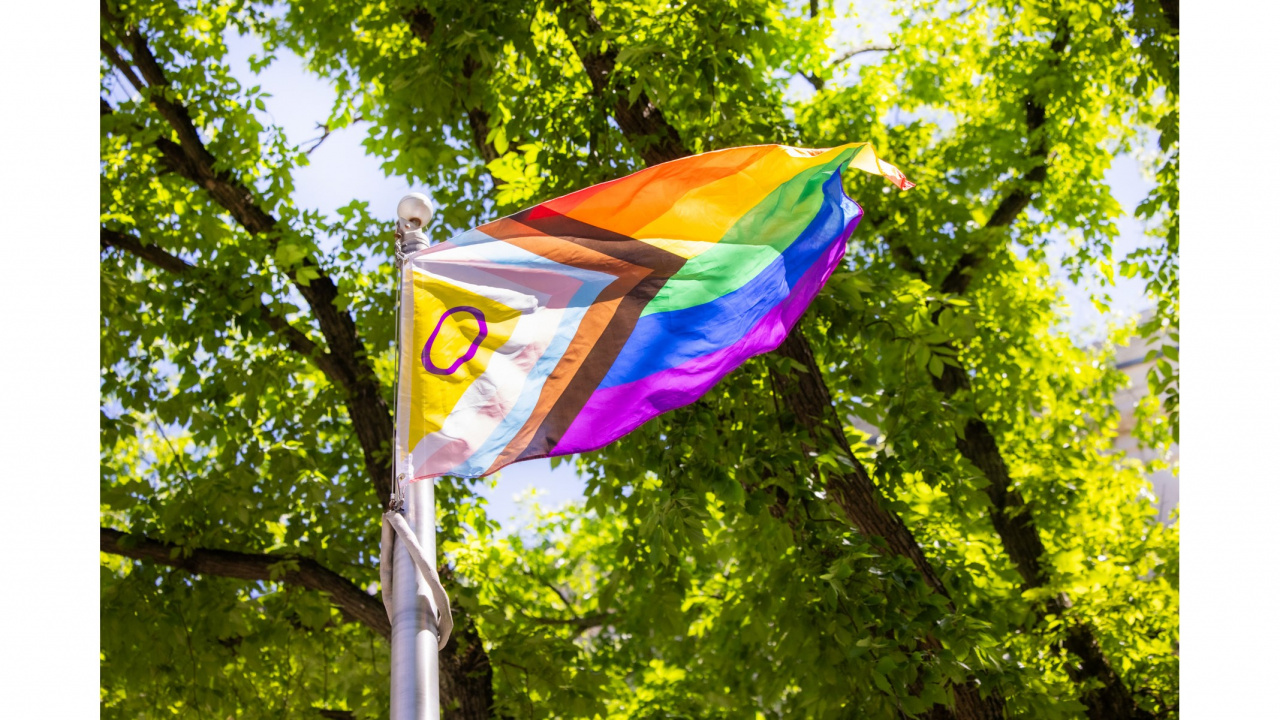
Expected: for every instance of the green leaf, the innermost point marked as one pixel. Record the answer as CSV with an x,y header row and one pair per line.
x,y
881,682
306,274
288,254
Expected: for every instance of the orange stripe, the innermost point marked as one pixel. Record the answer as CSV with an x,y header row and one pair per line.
x,y
634,201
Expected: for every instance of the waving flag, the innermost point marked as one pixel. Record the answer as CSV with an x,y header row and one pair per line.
x,y
565,326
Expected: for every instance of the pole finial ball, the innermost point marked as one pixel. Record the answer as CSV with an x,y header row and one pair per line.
x,y
415,210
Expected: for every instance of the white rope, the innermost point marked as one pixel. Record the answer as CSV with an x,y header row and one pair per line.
x,y
394,527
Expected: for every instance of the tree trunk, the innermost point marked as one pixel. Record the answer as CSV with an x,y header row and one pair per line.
x,y
466,677
1015,524
808,398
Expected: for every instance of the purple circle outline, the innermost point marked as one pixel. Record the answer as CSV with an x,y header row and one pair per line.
x,y
471,351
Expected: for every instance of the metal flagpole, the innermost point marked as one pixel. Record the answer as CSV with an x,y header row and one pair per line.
x,y
415,658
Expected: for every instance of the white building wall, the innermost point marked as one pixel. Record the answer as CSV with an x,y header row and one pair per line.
x,y
1129,359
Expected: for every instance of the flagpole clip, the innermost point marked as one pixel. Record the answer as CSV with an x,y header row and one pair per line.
x,y
398,488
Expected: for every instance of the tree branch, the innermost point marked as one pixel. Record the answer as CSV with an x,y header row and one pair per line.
x,y
854,492
564,599
1170,9
819,83
123,67
643,125
368,410
423,25
960,275
586,622
294,339
868,48
326,131
345,595
153,254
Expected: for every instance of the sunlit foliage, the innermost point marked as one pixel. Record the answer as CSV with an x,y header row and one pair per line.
x,y
707,573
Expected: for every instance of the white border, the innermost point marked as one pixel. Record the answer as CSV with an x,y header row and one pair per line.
x,y
1229,350
49,293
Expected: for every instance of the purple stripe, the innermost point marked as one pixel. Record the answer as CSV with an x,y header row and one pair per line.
x,y
613,412
481,334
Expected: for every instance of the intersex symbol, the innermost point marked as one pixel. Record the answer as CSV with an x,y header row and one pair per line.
x,y
481,333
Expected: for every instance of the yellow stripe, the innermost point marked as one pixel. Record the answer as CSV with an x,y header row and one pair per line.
x,y
434,396
702,216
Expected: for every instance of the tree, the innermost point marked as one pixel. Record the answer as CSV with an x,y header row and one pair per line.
x,y
984,556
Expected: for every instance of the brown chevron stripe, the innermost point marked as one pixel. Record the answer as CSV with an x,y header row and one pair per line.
x,y
659,266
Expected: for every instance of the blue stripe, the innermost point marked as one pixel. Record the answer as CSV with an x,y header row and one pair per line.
x,y
662,341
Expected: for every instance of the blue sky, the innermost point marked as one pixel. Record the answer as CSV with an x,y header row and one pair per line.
x,y
340,172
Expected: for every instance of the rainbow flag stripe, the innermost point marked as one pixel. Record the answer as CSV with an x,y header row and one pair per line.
x,y
563,327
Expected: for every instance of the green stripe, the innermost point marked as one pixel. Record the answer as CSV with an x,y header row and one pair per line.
x,y
754,241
